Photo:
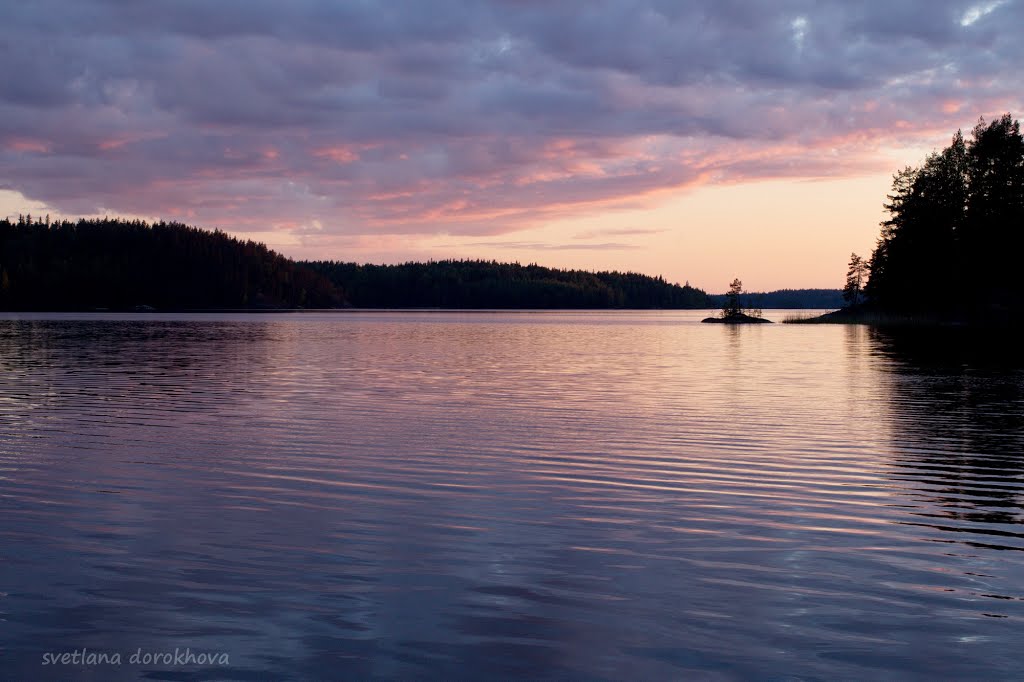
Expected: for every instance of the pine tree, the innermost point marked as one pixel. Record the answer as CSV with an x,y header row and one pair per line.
x,y
733,306
855,277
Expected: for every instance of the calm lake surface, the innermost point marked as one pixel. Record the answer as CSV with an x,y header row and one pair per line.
x,y
495,495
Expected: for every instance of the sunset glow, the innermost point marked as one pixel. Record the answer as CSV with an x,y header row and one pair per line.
x,y
700,141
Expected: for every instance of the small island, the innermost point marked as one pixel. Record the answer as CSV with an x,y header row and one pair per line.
x,y
733,311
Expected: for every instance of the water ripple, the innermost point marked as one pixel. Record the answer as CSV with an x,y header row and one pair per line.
x,y
574,495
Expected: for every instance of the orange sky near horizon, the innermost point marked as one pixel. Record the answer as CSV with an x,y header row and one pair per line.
x,y
697,140
771,233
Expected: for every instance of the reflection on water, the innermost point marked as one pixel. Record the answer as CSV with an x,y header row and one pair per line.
x,y
597,495
957,401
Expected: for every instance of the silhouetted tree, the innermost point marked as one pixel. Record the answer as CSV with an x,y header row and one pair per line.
x,y
856,274
733,306
993,242
121,264
787,298
490,284
954,236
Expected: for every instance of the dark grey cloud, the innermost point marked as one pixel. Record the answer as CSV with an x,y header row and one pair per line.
x,y
471,117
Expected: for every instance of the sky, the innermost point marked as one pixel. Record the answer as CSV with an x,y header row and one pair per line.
x,y
697,140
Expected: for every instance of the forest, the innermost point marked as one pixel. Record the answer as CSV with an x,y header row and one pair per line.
x,y
490,284
121,264
129,264
951,247
786,299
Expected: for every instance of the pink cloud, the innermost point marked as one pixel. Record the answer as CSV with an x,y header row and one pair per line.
x,y
481,118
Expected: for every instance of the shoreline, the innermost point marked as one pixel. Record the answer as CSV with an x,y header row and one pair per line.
x,y
878,318
352,309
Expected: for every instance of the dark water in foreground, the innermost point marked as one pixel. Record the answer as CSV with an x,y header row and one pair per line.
x,y
579,495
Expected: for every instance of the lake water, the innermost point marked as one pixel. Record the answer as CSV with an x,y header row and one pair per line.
x,y
502,495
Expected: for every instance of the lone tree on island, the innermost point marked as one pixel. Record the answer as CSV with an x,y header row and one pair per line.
x,y
733,310
732,307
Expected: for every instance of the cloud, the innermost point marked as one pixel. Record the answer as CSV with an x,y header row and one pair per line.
x,y
472,118
547,246
619,232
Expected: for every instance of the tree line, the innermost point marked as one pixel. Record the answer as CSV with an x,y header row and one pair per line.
x,y
788,299
120,264
491,284
951,246
123,264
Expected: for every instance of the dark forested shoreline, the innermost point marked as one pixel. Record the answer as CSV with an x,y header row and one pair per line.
x,y
950,251
786,299
489,284
124,265
952,245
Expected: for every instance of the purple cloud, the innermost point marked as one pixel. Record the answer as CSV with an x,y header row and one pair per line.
x,y
471,117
